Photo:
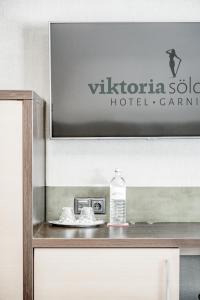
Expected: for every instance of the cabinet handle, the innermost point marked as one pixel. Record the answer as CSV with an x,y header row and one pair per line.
x,y
167,289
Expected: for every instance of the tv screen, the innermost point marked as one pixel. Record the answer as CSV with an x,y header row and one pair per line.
x,y
120,80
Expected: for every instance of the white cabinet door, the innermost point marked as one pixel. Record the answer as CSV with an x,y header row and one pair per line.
x,y
106,274
11,244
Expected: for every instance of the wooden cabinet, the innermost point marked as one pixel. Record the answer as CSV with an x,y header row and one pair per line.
x,y
109,274
21,142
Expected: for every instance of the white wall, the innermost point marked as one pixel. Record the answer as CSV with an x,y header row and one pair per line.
x,y
24,65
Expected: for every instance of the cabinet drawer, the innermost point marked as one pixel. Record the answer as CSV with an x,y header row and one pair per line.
x,y
96,274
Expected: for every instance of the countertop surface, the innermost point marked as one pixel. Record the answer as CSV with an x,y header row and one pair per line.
x,y
181,235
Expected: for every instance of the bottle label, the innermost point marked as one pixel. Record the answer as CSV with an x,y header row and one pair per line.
x,y
118,193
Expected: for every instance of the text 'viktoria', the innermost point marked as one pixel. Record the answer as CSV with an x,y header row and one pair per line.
x,y
109,87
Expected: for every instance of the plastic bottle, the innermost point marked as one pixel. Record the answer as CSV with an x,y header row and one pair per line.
x,y
118,200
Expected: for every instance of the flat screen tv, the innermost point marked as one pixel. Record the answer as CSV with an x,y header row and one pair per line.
x,y
125,80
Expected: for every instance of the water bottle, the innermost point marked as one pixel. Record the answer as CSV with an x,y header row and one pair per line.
x,y
117,200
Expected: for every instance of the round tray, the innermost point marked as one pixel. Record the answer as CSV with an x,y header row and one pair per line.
x,y
77,225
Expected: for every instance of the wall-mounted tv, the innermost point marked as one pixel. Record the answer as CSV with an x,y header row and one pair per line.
x,y
123,80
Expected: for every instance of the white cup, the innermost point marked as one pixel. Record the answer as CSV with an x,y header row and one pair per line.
x,y
87,215
67,215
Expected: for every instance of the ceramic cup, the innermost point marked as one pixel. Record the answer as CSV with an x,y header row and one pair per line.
x,y
67,215
87,215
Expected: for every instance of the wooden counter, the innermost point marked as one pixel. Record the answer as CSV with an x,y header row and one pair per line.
x,y
180,235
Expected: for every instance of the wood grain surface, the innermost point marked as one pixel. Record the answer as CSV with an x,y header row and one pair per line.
x,y
180,235
16,95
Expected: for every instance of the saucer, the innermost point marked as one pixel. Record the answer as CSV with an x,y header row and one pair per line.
x,y
77,224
